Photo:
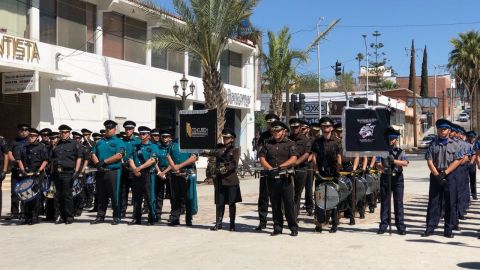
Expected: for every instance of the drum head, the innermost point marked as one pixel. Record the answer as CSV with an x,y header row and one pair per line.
x,y
345,187
77,187
332,196
90,180
26,189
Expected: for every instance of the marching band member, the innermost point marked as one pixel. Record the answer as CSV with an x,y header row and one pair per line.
x,y
3,165
130,141
472,167
162,185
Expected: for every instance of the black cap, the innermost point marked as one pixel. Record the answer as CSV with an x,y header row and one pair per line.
x,y
166,132
45,132
86,131
304,123
33,131
129,124
294,122
338,126
135,134
271,117
76,134
155,132
279,125
121,134
144,129
443,123
471,133
64,128
109,124
54,134
96,136
326,121
102,131
315,126
391,133
23,126
228,132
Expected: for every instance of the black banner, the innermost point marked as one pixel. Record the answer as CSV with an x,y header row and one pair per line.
x,y
198,129
364,131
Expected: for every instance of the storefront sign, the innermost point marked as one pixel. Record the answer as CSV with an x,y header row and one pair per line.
x,y
20,49
19,82
238,99
311,108
198,129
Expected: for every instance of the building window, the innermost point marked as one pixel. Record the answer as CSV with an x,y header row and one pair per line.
x,y
124,38
224,67
159,57
68,23
231,68
169,60
194,66
14,18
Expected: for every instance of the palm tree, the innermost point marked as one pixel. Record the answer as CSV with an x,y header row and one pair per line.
x,y
280,63
204,32
464,61
359,58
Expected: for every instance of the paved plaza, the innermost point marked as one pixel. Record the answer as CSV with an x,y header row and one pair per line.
x,y
103,246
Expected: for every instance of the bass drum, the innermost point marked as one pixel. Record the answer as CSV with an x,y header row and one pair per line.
x,y
370,179
27,189
361,188
327,196
345,188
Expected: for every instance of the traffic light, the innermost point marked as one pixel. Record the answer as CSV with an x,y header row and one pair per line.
x,y
338,68
293,103
301,101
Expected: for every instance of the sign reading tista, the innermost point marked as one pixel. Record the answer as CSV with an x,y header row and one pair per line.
x,y
21,49
198,130
364,131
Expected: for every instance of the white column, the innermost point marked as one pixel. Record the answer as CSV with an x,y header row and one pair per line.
x,y
185,69
34,21
148,61
99,33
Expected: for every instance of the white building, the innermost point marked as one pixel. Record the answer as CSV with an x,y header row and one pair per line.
x,y
88,61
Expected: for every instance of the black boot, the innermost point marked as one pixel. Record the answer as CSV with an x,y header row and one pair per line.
x,y
232,212
220,209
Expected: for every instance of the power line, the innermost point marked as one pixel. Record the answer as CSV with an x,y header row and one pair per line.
x,y
407,25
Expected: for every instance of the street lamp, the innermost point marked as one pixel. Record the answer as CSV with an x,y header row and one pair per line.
x,y
183,85
318,71
366,60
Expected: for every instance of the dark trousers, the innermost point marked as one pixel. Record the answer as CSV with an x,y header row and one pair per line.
x,y
220,210
31,209
309,205
178,190
14,200
446,195
463,190
299,184
263,194
79,200
144,186
63,193
161,186
51,209
108,187
397,188
281,191
472,173
125,186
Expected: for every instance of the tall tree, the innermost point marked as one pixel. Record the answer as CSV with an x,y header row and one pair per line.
x,y
413,75
359,58
424,79
464,61
204,32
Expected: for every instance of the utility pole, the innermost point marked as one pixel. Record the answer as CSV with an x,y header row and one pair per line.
x,y
412,55
366,60
318,71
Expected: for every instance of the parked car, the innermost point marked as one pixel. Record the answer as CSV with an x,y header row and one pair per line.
x,y
463,117
427,140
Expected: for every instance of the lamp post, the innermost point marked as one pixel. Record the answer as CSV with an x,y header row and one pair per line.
x,y
318,71
183,85
366,60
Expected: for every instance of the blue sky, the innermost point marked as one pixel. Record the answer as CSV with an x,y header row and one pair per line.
x,y
445,19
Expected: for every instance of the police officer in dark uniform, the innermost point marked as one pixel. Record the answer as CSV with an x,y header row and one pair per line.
x,y
162,185
227,184
67,158
88,144
79,200
51,208
143,161
326,162
443,158
19,142
472,166
3,165
277,156
314,133
107,156
393,165
263,187
32,160
183,165
130,142
303,145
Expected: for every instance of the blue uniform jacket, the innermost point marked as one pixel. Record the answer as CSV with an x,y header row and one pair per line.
x,y
107,147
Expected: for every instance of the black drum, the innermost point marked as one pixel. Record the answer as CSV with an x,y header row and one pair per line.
x,y
360,189
334,192
370,184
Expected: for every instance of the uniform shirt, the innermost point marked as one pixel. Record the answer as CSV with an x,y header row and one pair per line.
x,y
326,151
143,152
130,144
108,147
3,150
277,153
87,150
227,157
398,154
177,155
303,144
32,156
163,151
18,142
65,154
263,139
443,152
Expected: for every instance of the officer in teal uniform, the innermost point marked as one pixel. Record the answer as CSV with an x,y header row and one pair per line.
x,y
130,141
107,156
183,168
162,184
143,162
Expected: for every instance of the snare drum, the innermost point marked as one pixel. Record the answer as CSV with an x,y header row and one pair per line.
x,y
370,183
77,187
334,192
27,189
360,188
